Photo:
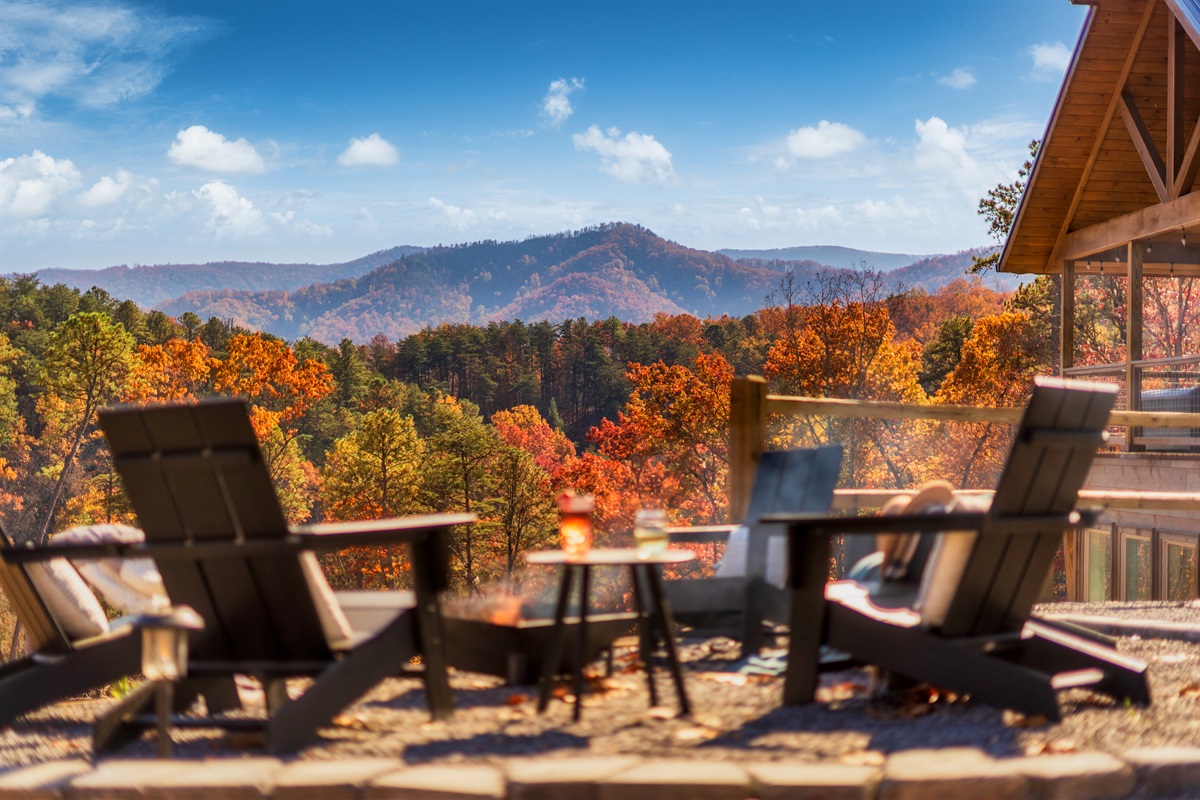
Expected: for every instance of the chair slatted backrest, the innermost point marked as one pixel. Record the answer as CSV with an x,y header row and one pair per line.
x,y
1055,445
42,630
800,481
797,481
195,474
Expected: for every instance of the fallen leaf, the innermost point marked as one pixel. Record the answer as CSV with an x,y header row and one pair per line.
x,y
731,678
1046,748
517,699
1189,690
1173,658
1028,720
696,734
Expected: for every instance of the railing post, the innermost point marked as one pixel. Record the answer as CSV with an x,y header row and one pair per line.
x,y
747,433
1133,341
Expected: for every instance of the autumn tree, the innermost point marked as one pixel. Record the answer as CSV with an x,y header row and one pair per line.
x,y
999,208
457,474
519,513
280,389
84,367
843,345
371,473
175,370
999,361
522,426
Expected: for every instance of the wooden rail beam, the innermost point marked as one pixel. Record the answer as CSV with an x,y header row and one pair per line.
x,y
855,499
881,409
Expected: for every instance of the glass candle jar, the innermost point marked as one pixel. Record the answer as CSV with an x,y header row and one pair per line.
x,y
575,522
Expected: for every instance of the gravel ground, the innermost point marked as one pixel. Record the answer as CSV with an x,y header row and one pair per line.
x,y
737,717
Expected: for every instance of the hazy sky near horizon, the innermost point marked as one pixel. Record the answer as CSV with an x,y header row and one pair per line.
x,y
311,131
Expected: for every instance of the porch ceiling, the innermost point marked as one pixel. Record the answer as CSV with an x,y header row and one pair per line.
x,y
1119,158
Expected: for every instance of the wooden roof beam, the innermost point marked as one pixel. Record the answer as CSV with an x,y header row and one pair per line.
x,y
1101,130
1144,145
1176,78
1187,170
1152,221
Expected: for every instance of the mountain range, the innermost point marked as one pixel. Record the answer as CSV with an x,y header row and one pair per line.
x,y
614,270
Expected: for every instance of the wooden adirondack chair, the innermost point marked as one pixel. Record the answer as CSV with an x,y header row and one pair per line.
x,y
987,646
56,667
213,524
787,481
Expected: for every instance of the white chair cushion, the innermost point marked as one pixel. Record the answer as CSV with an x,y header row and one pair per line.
x,y
68,599
131,584
943,573
334,624
733,561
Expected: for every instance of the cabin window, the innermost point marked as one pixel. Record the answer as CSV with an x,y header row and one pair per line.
x,y
1137,571
1097,564
1178,561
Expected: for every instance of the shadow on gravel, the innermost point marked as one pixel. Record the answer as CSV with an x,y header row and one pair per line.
x,y
500,744
879,726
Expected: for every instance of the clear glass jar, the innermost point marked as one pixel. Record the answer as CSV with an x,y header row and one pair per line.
x,y
650,530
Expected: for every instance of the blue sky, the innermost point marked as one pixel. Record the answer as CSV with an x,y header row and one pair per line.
x,y
320,131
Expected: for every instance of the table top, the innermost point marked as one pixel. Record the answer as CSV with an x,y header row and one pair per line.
x,y
610,557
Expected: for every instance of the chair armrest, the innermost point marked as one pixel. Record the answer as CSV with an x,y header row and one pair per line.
x,y
338,535
925,523
899,523
700,534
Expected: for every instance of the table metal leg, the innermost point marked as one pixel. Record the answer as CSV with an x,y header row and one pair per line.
x,y
581,639
645,635
553,655
662,612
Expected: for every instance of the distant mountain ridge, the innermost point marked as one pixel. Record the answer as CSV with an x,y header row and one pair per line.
x,y
613,270
149,285
830,256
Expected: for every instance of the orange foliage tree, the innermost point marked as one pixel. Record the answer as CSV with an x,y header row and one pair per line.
x,y
176,370
280,389
999,361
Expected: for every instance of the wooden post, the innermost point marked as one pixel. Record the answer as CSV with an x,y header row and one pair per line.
x,y
1067,324
1071,561
1066,360
747,432
1133,336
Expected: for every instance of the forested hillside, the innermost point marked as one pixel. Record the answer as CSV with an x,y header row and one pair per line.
x,y
611,270
618,270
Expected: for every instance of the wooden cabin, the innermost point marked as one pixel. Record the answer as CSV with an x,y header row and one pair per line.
x,y
1113,192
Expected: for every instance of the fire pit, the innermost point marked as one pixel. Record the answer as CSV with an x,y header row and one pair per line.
x,y
513,649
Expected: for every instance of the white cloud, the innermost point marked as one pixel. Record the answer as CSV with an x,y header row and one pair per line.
x,y
556,105
95,54
108,190
883,211
308,227
827,140
1050,60
31,186
822,216
634,158
461,218
960,78
679,210
373,151
210,151
943,155
229,214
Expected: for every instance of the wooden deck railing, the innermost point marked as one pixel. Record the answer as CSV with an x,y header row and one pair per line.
x,y
750,406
